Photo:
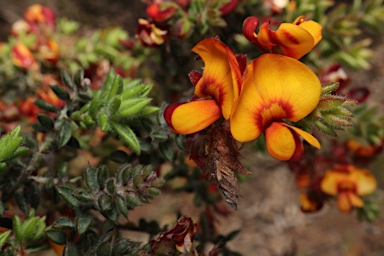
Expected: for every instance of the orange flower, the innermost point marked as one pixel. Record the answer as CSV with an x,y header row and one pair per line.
x,y
28,109
22,57
217,90
149,34
290,39
275,88
49,51
161,12
362,150
50,97
348,183
38,14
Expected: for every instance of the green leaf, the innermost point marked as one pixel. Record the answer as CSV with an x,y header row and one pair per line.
x,y
131,110
17,228
83,223
135,91
56,236
63,223
122,246
128,136
60,92
78,77
111,185
65,134
121,205
108,84
105,202
66,193
4,236
82,195
167,150
45,121
91,179
46,106
104,122
114,105
104,249
66,78
116,88
70,250
102,176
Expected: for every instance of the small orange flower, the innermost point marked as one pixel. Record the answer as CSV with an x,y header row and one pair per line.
x,y
359,149
28,109
348,183
49,51
22,57
149,34
161,12
275,88
38,14
217,90
290,39
50,97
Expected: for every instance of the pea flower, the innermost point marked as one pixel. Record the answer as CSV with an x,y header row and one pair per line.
x,y
49,51
150,35
290,39
22,57
276,88
216,90
37,14
348,183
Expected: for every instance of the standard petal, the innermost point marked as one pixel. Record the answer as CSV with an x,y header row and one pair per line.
x,y
191,117
274,87
294,40
221,72
280,141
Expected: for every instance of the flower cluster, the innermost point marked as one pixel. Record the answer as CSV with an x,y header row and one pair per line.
x,y
180,18
39,21
273,92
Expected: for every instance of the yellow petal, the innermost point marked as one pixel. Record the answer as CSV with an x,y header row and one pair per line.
x,y
191,117
280,141
221,74
274,87
308,137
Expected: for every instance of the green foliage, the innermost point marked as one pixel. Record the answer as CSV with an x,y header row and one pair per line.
x,y
10,148
332,112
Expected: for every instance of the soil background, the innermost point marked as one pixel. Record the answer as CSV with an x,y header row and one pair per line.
x,y
268,215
